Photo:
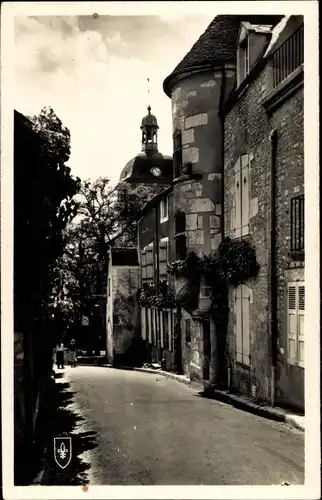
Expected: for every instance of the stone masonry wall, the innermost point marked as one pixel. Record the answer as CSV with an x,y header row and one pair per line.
x,y
195,106
247,131
289,122
125,307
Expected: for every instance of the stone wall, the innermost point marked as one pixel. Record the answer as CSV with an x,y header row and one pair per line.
x,y
125,307
288,119
195,112
247,131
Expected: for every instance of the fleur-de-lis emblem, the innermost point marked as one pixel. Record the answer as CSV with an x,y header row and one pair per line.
x,y
63,451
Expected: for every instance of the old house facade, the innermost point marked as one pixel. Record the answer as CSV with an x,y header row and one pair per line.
x,y
238,172
264,202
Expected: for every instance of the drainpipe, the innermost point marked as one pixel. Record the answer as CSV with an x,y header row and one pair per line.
x,y
272,268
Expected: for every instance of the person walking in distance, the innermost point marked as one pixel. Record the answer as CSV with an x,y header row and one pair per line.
x,y
60,355
73,353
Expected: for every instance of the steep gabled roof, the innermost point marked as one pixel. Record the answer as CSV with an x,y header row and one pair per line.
x,y
217,45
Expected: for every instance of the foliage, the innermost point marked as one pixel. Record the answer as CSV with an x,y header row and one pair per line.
x,y
160,296
44,191
103,211
232,264
237,259
187,267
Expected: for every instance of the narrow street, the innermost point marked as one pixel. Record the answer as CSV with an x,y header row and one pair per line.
x,y
149,430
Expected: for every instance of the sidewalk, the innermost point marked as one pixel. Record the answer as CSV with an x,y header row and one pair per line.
x,y
238,401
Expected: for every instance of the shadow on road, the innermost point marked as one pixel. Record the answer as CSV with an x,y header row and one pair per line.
x,y
62,421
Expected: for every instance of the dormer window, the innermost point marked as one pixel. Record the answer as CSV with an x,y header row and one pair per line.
x,y
252,41
244,58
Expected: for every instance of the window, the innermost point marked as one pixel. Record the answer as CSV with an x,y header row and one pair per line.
x,y
243,60
177,154
143,323
164,210
147,263
188,330
180,236
295,323
289,56
242,301
297,224
245,56
163,258
241,197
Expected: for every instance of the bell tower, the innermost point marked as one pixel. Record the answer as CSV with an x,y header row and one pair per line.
x,y
149,127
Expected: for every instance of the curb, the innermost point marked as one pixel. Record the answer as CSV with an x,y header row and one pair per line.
x,y
268,412
276,414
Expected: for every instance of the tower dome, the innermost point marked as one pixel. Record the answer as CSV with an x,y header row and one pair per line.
x,y
149,120
149,166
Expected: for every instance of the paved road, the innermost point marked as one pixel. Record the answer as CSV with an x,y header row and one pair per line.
x,y
155,431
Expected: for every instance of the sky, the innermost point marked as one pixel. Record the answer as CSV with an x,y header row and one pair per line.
x,y
99,74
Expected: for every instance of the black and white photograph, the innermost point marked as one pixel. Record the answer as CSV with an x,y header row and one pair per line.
x,y
160,250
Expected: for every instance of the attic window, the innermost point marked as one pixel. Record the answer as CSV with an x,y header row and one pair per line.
x,y
243,59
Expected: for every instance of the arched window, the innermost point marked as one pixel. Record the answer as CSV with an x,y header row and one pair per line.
x,y
180,235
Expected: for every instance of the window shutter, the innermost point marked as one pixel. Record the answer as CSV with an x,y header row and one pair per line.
x,y
161,329
245,325
163,258
150,325
143,325
301,311
149,261
171,327
245,200
239,326
237,232
292,322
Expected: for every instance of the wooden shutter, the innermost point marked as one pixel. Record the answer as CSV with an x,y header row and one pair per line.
x,y
237,193
239,324
161,329
245,196
245,324
150,325
149,261
143,323
171,323
292,322
301,310
163,258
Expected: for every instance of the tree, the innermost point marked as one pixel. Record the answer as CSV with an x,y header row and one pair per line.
x,y
44,204
102,212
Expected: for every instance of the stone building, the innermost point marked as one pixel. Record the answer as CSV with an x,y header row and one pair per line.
x,y
238,172
264,201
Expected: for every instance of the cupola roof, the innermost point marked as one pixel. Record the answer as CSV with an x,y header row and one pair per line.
x,y
149,120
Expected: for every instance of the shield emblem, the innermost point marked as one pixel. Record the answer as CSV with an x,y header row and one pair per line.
x,y
63,451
